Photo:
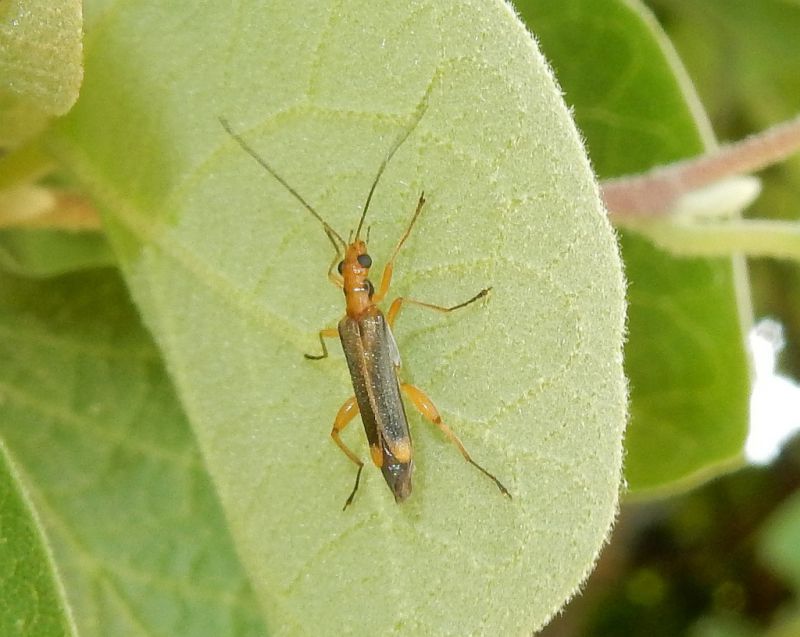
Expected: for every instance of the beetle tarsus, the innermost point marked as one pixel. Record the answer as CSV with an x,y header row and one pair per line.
x,y
355,488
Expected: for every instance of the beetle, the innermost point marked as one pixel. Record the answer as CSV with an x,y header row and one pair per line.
x,y
369,346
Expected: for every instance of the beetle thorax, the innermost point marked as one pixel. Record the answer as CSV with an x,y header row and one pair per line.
x,y
355,271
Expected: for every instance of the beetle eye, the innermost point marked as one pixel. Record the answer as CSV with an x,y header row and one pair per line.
x,y
365,260
370,288
340,267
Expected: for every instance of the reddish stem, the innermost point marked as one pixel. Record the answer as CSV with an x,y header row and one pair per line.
x,y
653,193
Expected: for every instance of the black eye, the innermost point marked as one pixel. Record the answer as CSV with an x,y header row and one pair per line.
x,y
365,260
340,267
370,288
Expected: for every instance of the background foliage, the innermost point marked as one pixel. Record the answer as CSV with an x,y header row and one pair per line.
x,y
112,467
721,560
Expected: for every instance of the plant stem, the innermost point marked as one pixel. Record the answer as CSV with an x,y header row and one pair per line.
x,y
654,193
752,237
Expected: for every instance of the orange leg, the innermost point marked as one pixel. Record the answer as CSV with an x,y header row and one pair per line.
x,y
328,332
428,410
334,277
346,413
386,278
394,308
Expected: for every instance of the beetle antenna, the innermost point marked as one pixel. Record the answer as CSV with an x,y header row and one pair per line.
x,y
332,234
398,142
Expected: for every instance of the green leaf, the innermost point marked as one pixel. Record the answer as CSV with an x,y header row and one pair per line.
x,y
779,540
229,272
738,53
32,599
42,253
111,467
40,64
724,626
685,354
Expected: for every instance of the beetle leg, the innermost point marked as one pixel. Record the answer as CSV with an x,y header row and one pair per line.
x,y
335,277
394,308
428,410
346,413
386,278
328,332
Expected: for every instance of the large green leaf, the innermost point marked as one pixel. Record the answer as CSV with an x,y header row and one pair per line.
x,y
229,272
32,604
685,354
88,412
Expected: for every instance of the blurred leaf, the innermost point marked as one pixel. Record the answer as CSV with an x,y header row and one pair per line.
x,y
744,57
685,356
32,603
229,272
780,541
88,412
723,626
40,64
45,230
42,253
788,626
